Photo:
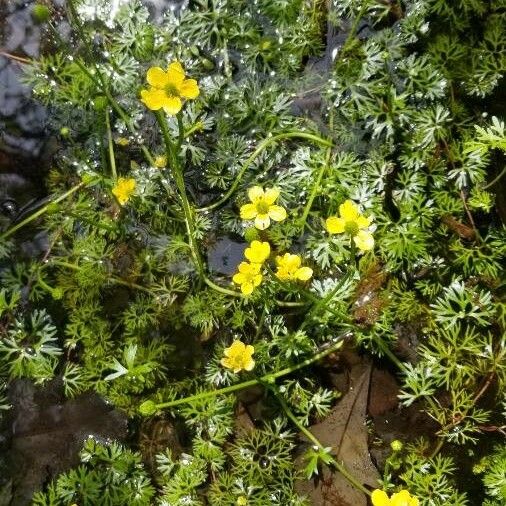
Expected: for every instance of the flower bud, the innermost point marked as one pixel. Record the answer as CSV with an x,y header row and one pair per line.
x,y
396,445
40,13
148,408
251,234
100,103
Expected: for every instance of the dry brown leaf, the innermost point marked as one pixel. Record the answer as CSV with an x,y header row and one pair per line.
x,y
345,431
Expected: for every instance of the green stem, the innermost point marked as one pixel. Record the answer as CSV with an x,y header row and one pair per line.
x,y
388,352
353,29
98,77
177,173
316,186
494,181
40,211
268,378
44,285
181,129
324,300
221,289
254,155
340,467
112,159
198,126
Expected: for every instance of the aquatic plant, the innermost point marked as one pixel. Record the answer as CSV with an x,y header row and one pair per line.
x,y
373,171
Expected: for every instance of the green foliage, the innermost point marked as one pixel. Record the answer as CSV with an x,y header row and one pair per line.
x,y
397,114
108,474
493,468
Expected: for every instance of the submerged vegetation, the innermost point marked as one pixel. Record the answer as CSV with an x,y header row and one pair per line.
x,y
355,150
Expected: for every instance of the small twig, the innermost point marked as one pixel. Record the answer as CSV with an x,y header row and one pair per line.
x,y
16,58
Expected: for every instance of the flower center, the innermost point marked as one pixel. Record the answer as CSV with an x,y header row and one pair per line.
x,y
237,361
171,90
351,228
262,207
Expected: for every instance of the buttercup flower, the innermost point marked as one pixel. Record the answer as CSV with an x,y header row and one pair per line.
x,y
289,268
123,189
168,89
248,277
258,252
402,498
239,357
353,223
262,208
160,161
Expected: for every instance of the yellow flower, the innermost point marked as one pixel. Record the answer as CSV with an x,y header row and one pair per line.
x,y
168,89
258,252
122,141
402,498
262,208
289,268
160,161
352,223
238,357
241,501
248,277
123,189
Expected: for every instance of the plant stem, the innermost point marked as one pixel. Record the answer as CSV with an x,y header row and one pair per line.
x,y
316,186
494,181
99,79
340,467
177,172
254,155
112,159
268,378
40,211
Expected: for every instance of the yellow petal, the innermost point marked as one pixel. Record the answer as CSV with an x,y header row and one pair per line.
x,y
257,280
380,498
282,275
363,222
239,278
189,88
277,213
258,252
248,211
335,225
249,365
271,195
247,288
249,349
237,347
304,273
175,74
157,78
348,211
172,105
403,498
244,267
226,362
293,261
262,221
255,193
153,99
364,240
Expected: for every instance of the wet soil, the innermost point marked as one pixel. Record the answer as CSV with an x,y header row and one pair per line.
x,y
43,434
